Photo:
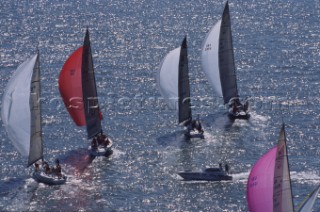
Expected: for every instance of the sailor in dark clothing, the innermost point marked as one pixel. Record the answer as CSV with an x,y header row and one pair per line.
x,y
94,144
198,126
36,166
246,105
57,170
227,168
46,167
103,140
220,166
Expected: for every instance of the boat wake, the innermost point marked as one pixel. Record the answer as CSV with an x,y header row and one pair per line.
x,y
16,194
305,177
76,161
241,177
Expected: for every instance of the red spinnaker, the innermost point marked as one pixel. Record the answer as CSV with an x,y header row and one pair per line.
x,y
70,87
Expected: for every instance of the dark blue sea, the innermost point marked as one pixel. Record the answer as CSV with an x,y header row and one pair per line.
x,y
277,52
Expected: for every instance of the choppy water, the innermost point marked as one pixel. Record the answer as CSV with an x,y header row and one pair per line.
x,y
277,56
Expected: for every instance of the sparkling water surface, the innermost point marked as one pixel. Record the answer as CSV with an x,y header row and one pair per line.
x,y
277,56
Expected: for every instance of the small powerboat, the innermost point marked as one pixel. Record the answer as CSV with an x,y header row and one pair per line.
x,y
209,174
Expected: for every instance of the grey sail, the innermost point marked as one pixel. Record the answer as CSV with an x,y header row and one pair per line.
x,y
282,192
308,203
36,144
184,85
90,97
226,59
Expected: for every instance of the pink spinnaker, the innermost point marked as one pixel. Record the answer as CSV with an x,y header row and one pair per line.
x,y
260,183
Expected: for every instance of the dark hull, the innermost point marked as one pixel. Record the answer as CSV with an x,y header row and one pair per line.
x,y
204,176
244,116
194,135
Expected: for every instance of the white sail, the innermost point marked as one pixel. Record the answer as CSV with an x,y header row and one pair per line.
x,y
210,58
168,78
15,111
308,203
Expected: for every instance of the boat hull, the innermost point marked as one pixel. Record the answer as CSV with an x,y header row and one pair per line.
x,y
41,177
193,134
101,150
204,176
241,115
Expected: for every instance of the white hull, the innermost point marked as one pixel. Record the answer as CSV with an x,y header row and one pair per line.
x,y
41,177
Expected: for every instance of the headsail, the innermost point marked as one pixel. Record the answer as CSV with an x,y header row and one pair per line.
x,y
21,111
89,90
308,203
70,87
282,193
184,85
260,183
173,81
218,58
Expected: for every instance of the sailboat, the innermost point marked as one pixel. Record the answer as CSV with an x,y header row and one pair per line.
x,y
21,115
77,86
218,63
269,183
174,86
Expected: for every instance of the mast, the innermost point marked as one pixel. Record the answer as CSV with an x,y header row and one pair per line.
x,y
36,143
184,85
226,58
90,97
282,192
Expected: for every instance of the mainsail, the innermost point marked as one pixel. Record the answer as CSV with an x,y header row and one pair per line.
x,y
70,87
21,110
184,85
173,81
282,193
218,58
89,91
